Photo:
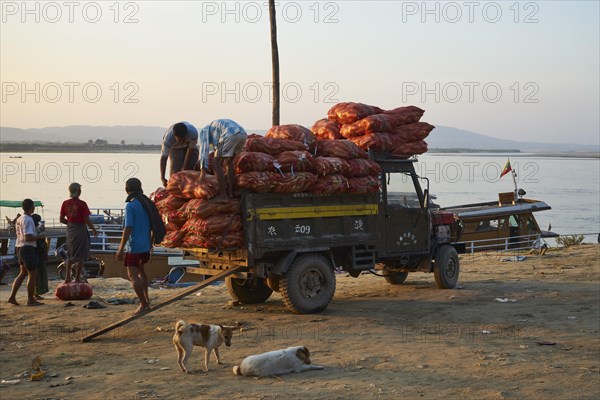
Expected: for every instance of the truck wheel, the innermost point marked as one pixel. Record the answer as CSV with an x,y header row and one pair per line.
x,y
394,278
446,267
308,285
248,291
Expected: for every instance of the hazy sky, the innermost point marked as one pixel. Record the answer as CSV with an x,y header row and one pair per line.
x,y
516,70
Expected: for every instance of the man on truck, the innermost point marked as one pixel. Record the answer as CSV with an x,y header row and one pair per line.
x,y
227,138
179,145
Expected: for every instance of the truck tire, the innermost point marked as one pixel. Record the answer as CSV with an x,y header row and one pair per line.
x,y
248,291
394,278
446,267
308,285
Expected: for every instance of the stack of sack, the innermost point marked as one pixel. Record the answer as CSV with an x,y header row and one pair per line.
x,y
192,219
290,159
397,132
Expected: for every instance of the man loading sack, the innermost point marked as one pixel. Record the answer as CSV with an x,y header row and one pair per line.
x,y
180,147
227,138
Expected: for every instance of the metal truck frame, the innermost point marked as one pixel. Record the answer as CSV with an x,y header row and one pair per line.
x,y
296,242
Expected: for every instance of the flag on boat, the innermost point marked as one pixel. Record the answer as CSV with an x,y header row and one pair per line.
x,y
507,168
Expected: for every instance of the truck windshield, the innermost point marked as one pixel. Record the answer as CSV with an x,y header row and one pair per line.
x,y
402,191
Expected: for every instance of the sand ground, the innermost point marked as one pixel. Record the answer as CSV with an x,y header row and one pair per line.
x,y
375,340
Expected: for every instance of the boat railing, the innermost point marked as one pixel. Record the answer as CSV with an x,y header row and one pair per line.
x,y
109,238
511,243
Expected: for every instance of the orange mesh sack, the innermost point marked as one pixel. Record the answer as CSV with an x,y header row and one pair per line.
x,y
294,132
326,129
272,146
339,148
348,113
248,161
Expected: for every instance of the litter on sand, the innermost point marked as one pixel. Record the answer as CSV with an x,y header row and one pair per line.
x,y
513,258
93,305
505,300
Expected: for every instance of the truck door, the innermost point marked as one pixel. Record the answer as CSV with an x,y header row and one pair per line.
x,y
407,224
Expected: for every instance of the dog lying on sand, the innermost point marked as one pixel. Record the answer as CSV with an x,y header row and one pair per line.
x,y
208,336
278,362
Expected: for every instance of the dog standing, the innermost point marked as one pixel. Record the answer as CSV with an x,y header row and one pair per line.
x,y
208,336
278,362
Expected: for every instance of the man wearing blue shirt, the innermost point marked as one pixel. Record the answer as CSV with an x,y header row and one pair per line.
x,y
180,147
227,138
136,242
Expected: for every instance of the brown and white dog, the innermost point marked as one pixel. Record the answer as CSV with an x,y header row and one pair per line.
x,y
278,362
208,336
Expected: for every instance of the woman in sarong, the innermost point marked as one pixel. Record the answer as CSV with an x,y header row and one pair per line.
x,y
41,283
75,213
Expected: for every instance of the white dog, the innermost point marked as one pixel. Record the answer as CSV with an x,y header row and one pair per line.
x,y
278,362
208,336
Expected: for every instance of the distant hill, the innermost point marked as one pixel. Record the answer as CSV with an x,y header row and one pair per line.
x,y
442,137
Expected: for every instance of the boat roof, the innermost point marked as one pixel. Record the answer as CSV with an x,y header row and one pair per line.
x,y
18,203
492,209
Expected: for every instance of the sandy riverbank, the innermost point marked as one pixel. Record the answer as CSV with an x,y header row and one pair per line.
x,y
375,340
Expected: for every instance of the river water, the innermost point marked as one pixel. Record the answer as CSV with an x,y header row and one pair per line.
x,y
571,186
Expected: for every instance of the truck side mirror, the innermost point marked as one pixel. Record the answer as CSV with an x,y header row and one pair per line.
x,y
425,199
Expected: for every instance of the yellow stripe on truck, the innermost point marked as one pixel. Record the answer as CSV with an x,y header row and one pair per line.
x,y
314,211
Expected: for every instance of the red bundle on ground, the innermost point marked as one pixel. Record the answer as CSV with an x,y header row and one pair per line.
x,y
363,184
159,194
329,165
258,182
203,208
186,184
291,183
330,184
214,225
406,150
248,161
170,203
339,148
326,129
73,291
272,146
348,113
293,132
173,239
174,220
295,161
360,167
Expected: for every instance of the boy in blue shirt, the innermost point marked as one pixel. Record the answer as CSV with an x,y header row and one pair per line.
x,y
136,242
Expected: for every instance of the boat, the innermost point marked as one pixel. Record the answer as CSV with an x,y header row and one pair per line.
x,y
506,224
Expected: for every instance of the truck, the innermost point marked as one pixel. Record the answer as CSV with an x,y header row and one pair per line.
x,y
295,243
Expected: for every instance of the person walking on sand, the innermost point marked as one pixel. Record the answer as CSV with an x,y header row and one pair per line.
x,y
75,213
180,146
26,254
136,241
41,286
227,137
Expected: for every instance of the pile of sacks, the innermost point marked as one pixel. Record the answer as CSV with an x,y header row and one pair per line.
x,y
192,219
397,132
290,159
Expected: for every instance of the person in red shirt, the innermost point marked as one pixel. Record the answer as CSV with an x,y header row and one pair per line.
x,y
75,213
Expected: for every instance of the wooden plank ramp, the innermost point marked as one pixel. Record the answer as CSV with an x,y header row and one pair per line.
x,y
163,303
